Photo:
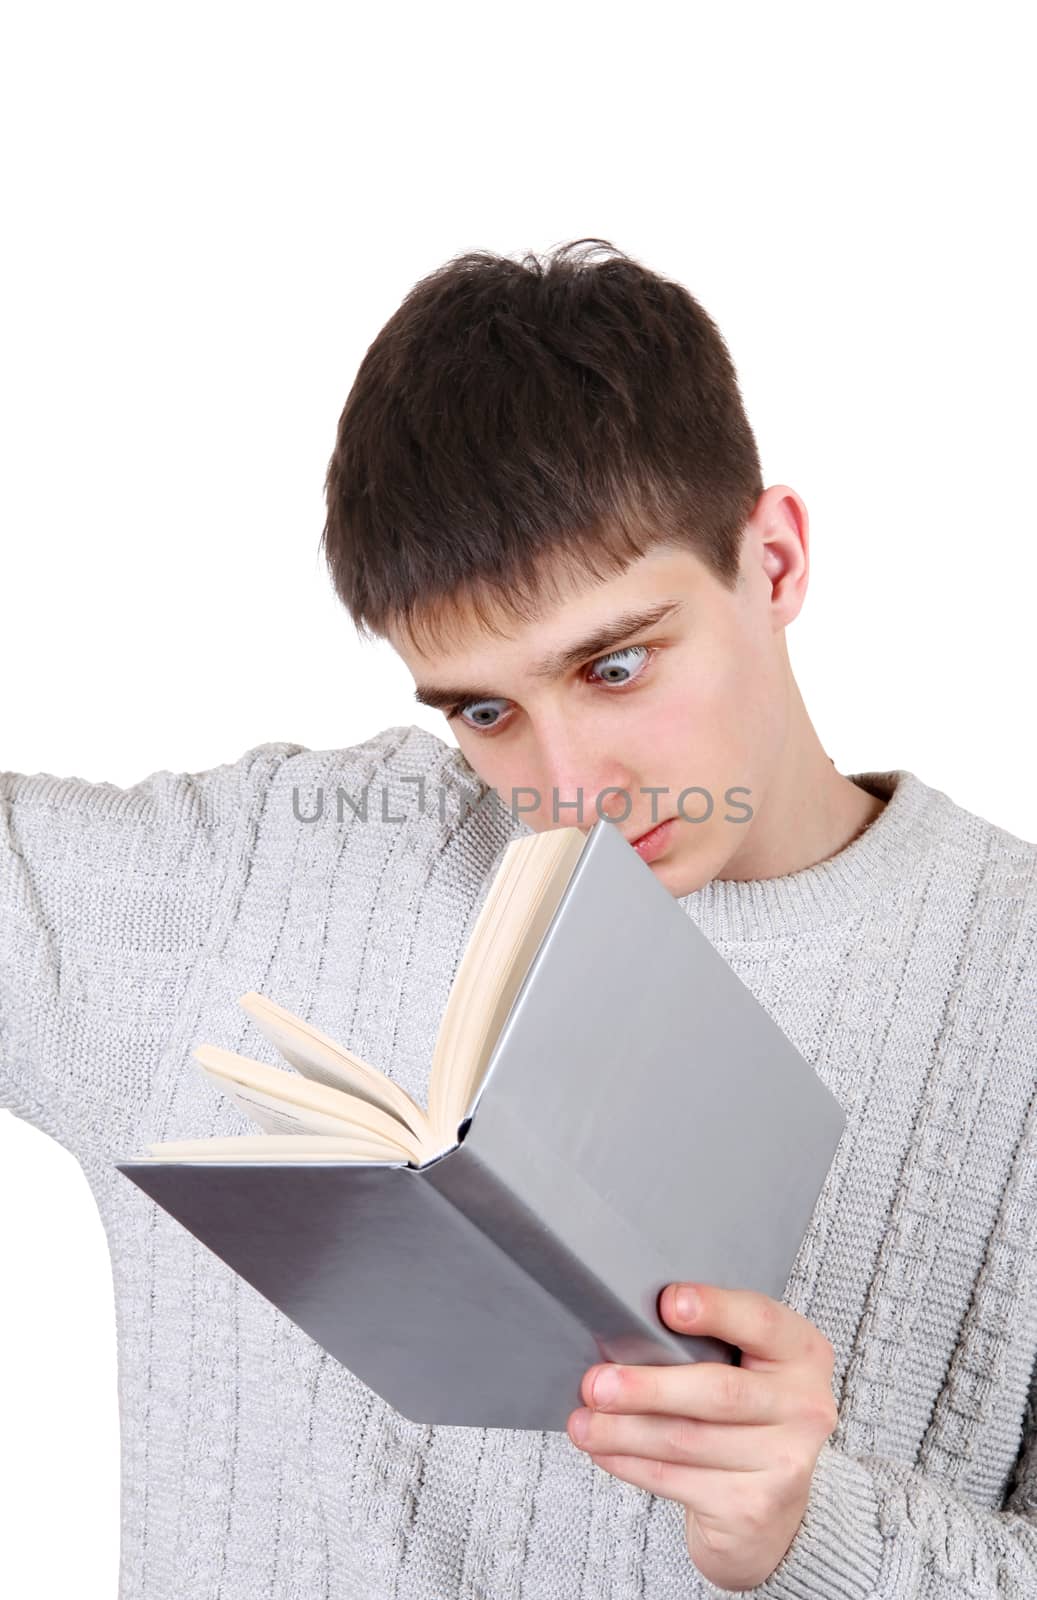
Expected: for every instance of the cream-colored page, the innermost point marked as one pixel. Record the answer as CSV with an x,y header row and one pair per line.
x,y
520,938
485,987
273,1147
319,1057
292,1097
276,1116
467,989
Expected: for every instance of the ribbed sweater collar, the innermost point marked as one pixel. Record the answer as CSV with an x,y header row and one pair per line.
x,y
831,891
893,846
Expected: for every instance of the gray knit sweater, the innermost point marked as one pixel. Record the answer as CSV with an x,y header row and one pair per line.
x,y
254,1465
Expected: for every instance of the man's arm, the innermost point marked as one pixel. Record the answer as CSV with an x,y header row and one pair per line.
x,y
878,1530
23,967
107,898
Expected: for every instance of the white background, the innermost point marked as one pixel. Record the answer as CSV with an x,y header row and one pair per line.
x,y
209,213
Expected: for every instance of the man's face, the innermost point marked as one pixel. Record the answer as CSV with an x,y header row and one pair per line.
x,y
697,701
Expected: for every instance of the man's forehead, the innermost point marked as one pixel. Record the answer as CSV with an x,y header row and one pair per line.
x,y
548,639
452,678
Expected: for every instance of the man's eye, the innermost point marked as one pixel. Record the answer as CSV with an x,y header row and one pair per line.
x,y
480,705
615,662
487,719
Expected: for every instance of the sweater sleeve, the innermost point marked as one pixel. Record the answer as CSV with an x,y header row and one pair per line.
x,y
108,897
22,971
876,1529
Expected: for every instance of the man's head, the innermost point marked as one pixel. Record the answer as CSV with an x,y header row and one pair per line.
x,y
529,452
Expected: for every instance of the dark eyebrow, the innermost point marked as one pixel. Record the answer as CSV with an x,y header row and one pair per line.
x,y
604,638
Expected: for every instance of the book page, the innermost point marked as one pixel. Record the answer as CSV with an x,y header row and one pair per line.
x,y
319,1057
524,927
281,1116
492,971
294,1100
446,1071
271,1147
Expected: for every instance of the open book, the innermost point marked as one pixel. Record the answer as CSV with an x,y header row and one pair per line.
x,y
337,1107
610,1110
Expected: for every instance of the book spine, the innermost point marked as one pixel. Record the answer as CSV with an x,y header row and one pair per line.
x,y
625,1328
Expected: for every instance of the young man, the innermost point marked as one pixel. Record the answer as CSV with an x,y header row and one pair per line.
x,y
545,494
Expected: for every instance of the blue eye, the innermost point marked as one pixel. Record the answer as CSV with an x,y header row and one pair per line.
x,y
615,657
457,711
613,662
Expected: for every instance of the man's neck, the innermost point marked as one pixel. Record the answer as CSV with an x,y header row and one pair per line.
x,y
809,813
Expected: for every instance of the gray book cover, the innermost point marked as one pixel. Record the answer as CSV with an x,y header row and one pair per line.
x,y
643,1120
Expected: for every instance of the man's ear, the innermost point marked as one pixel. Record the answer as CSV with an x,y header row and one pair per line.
x,y
779,531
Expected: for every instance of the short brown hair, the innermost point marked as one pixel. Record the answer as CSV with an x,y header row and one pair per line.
x,y
514,419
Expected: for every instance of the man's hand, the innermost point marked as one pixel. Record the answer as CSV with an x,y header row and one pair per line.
x,y
735,1446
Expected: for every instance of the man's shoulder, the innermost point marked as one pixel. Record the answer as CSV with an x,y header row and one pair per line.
x,y
211,794
171,824
971,830
71,796
406,752
173,831
999,864
396,775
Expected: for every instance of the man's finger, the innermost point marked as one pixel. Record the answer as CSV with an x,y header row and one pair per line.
x,y
760,1327
712,1391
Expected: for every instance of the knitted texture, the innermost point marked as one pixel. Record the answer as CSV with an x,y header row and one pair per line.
x,y
253,1464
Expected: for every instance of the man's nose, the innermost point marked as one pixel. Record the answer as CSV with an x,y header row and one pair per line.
x,y
578,799
577,779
